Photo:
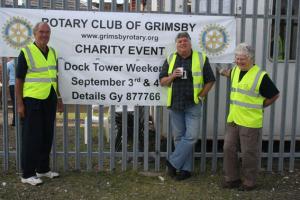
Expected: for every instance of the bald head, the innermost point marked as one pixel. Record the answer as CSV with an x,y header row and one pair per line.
x,y
41,32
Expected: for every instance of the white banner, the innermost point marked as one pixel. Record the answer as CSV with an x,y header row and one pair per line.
x,y
115,58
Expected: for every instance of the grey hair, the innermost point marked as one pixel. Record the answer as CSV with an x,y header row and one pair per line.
x,y
245,49
182,35
36,27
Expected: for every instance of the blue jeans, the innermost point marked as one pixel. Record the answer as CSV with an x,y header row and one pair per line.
x,y
185,129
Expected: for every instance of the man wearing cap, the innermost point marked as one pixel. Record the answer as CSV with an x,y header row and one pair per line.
x,y
189,77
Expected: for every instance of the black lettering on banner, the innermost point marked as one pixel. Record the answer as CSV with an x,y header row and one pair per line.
x,y
80,67
169,26
133,25
88,96
106,24
145,50
65,23
135,96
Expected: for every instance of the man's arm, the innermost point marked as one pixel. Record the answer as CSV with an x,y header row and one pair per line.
x,y
206,89
164,78
19,96
268,102
167,80
224,72
21,70
268,90
209,79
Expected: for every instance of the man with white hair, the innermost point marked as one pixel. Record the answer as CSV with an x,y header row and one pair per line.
x,y
251,91
37,99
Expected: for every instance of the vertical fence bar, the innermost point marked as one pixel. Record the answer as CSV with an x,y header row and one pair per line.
x,y
89,4
125,6
113,5
265,36
89,138
204,137
208,7
254,24
295,102
138,6
216,124
157,137
220,6
77,4
243,20
135,137
17,132
52,4
285,84
161,6
65,138
65,4
112,137
5,116
101,137
185,6
101,5
169,135
77,137
232,7
274,77
124,137
173,6
146,138
53,150
196,6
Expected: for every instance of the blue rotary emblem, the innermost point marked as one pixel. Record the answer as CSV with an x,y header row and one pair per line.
x,y
17,32
214,39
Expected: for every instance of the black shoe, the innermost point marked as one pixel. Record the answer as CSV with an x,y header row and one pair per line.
x,y
183,175
231,184
171,170
246,188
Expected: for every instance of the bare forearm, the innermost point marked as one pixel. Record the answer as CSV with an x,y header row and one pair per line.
x,y
166,81
206,89
268,102
19,90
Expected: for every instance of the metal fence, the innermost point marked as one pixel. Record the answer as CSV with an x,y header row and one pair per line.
x,y
141,138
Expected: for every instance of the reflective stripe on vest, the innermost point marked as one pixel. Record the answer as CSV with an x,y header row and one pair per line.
x,y
40,80
198,60
246,104
41,74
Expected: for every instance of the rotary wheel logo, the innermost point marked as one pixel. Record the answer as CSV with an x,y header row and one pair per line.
x,y
214,39
17,32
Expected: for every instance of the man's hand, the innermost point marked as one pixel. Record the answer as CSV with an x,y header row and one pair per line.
x,y
177,73
223,71
21,110
60,105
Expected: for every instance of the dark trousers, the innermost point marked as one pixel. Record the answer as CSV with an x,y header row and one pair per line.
x,y
12,96
37,134
248,140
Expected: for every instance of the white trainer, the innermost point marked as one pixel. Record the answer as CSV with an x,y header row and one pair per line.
x,y
32,180
49,174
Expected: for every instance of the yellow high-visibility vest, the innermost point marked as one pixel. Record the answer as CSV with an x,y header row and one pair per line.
x,y
41,74
246,104
198,60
